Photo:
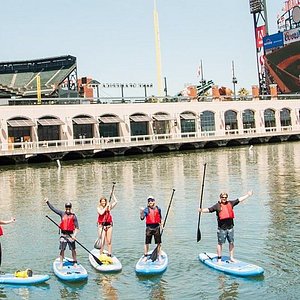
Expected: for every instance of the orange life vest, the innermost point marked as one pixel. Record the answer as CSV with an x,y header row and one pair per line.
x,y
1,231
67,222
106,217
226,211
153,216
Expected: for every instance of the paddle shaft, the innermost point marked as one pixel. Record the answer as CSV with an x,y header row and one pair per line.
x,y
95,258
154,252
200,206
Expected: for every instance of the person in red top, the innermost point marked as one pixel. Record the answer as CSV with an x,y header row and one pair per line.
x,y
152,214
105,223
69,228
1,233
225,216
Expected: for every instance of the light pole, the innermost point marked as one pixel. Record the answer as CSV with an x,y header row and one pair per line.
x,y
234,81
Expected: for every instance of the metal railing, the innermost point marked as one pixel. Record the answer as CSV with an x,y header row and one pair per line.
x,y
107,143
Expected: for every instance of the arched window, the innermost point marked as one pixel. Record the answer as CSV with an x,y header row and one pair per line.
x,y
285,117
248,119
269,116
231,120
187,122
139,124
207,121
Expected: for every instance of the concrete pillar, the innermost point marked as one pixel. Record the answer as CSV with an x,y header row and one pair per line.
x,y
273,91
215,93
255,92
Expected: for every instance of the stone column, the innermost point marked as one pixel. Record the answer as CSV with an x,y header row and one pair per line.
x,y
273,91
255,92
215,93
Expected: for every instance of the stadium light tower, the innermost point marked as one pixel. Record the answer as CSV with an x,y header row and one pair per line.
x,y
158,54
259,10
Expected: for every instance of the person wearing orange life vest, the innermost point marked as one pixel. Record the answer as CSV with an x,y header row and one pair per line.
x,y
152,214
225,216
1,233
105,223
69,228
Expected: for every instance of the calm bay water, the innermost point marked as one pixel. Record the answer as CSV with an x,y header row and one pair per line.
x,y
267,225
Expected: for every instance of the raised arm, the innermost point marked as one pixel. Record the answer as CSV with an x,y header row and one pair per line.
x,y
243,198
114,201
8,222
57,211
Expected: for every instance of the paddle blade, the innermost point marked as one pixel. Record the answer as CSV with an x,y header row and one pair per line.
x,y
154,253
97,244
198,235
98,261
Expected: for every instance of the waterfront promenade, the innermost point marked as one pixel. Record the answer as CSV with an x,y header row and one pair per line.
x,y
69,131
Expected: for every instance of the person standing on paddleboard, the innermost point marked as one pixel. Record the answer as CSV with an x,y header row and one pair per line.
x,y
69,228
225,216
105,223
152,214
1,233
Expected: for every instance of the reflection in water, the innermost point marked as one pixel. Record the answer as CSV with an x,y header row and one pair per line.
x,y
158,291
69,293
2,294
107,289
155,285
227,290
267,226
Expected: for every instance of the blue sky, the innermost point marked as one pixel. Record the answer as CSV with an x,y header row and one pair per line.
x,y
113,40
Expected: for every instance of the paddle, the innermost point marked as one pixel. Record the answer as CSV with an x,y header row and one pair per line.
x,y
98,242
154,253
98,261
201,199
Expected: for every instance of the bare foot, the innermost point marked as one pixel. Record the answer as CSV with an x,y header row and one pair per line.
x,y
232,260
145,258
60,266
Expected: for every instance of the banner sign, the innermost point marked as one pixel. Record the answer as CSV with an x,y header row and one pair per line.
x,y
259,34
126,85
291,36
273,41
288,5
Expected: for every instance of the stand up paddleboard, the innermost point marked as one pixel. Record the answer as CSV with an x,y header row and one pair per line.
x,y
238,268
109,264
150,267
12,279
69,272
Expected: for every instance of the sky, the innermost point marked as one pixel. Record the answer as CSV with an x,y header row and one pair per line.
x,y
114,40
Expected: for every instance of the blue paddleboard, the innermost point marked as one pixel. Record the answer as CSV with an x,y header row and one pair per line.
x,y
69,272
238,268
150,267
12,279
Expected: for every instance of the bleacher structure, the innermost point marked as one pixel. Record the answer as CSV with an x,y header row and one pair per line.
x,y
58,75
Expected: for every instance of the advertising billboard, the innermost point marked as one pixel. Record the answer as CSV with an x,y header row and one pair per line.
x,y
273,41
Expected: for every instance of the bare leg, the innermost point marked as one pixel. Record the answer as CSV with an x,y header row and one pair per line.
x,y
101,236
61,258
74,256
108,239
231,249
146,248
219,252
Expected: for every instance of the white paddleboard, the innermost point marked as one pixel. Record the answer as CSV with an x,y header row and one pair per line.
x,y
111,264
